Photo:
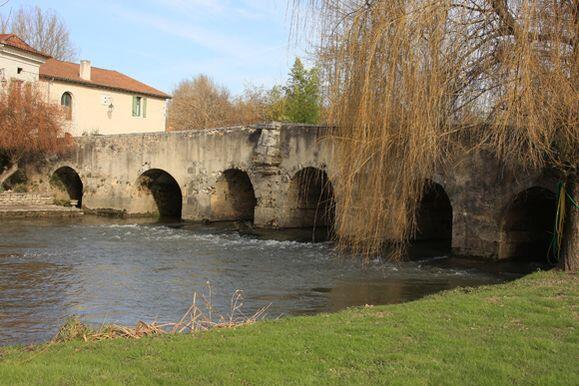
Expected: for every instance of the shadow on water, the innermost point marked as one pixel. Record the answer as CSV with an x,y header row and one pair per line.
x,y
123,271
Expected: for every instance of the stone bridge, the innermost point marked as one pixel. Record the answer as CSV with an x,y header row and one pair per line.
x,y
281,176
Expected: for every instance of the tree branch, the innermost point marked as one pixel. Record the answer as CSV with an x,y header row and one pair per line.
x,y
509,26
8,172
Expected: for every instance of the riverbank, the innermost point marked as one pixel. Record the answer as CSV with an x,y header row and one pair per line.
x,y
33,205
521,332
48,211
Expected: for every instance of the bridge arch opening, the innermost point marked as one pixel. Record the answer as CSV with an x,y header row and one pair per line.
x,y
66,179
311,199
526,226
434,217
165,191
233,198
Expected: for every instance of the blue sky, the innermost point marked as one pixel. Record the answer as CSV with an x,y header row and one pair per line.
x,y
160,42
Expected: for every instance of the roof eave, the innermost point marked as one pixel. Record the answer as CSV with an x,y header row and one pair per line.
x,y
18,51
104,87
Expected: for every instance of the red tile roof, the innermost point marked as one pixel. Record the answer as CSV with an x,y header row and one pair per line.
x,y
14,41
100,78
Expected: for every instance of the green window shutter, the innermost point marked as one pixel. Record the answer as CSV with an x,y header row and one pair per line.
x,y
134,106
144,107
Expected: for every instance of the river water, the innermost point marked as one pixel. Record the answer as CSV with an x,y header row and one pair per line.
x,y
118,271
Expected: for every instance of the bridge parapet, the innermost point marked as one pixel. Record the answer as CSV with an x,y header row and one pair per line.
x,y
112,167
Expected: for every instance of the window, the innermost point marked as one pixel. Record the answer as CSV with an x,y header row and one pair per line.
x,y
136,106
19,70
66,102
139,107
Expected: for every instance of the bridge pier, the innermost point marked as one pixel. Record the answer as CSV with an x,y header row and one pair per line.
x,y
266,162
269,211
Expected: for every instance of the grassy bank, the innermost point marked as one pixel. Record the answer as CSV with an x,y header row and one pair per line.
x,y
521,332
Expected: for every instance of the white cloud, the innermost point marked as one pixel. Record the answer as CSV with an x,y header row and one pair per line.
x,y
225,9
233,53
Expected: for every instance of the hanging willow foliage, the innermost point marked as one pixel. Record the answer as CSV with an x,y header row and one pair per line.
x,y
413,82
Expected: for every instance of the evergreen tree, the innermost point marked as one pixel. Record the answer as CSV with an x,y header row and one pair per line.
x,y
302,93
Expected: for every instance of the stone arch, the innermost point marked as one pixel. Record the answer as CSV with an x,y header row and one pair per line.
x,y
310,199
434,215
165,191
526,225
67,179
233,197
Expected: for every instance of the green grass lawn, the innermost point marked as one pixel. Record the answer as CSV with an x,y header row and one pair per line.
x,y
523,332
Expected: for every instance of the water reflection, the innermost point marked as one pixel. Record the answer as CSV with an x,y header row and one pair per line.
x,y
122,272
36,285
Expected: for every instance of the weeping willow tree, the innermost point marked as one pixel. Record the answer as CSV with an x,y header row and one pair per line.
x,y
413,82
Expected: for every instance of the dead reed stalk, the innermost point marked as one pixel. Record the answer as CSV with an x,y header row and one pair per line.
x,y
200,316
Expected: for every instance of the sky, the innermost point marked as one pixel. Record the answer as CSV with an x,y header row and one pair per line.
x,y
160,42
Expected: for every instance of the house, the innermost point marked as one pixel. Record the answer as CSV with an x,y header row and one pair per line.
x,y
103,101
18,61
96,100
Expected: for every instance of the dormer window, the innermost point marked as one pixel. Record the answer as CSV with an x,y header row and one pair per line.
x,y
66,103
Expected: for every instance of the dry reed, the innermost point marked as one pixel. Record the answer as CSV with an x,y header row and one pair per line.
x,y
200,316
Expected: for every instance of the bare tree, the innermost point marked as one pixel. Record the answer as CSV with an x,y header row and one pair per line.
x,y
30,128
199,103
43,30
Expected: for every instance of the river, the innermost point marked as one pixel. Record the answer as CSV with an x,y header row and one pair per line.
x,y
123,271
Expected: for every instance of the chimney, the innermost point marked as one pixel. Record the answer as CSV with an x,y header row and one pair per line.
x,y
85,69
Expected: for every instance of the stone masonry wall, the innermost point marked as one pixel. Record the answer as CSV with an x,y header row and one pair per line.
x,y
479,189
11,199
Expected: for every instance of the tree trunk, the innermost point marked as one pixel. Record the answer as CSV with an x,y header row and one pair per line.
x,y
9,172
569,255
